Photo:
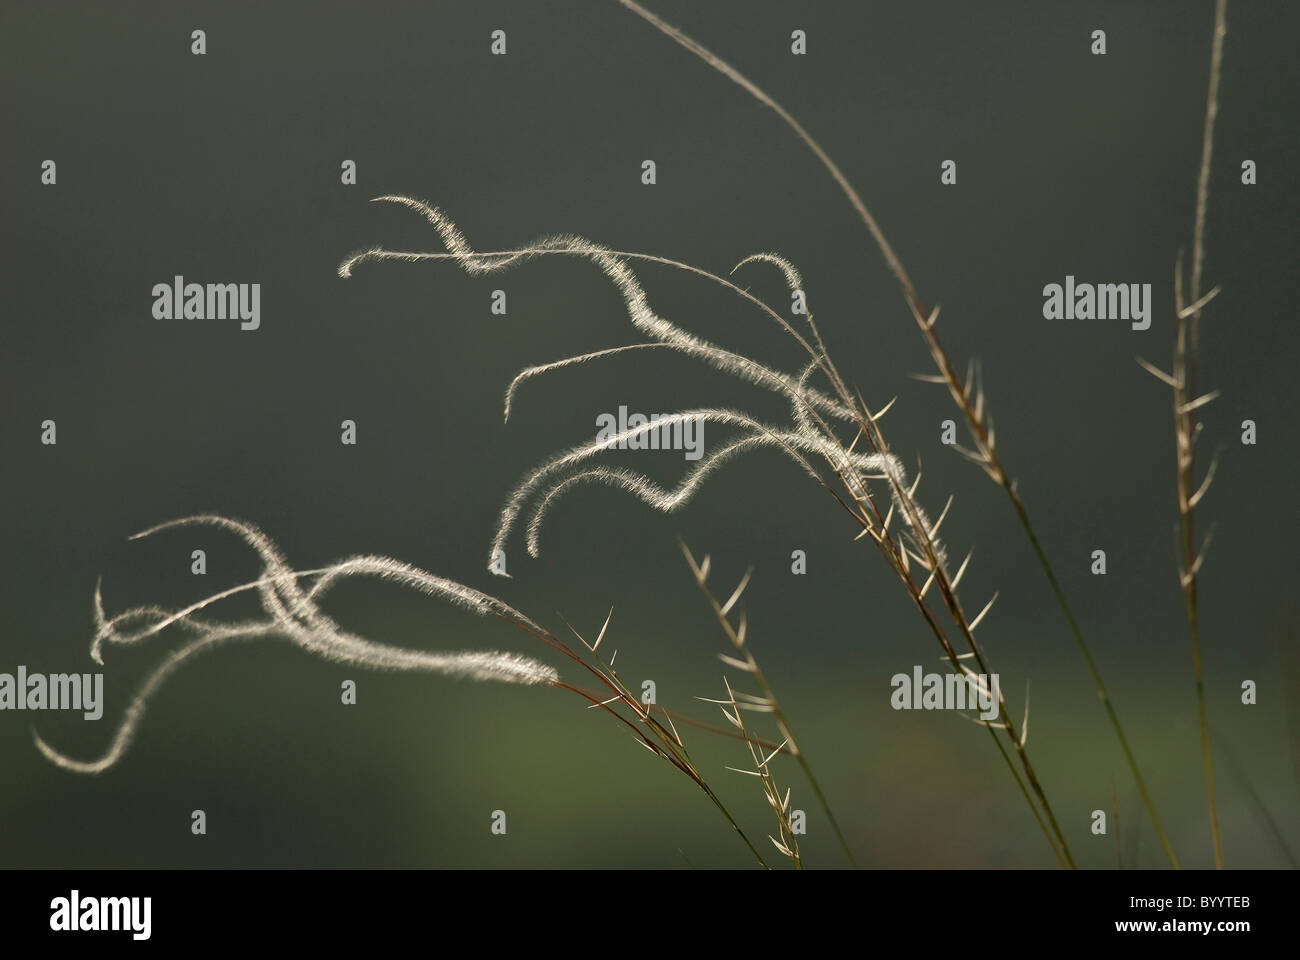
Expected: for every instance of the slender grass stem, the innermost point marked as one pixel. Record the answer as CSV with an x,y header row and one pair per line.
x,y
1186,403
1095,674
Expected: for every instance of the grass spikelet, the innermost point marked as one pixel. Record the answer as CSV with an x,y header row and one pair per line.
x,y
765,702
1186,427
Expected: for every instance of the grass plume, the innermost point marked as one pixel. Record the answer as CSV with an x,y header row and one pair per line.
x,y
290,611
290,602
911,548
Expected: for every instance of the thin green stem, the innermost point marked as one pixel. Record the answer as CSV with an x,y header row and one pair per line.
x,y
1093,672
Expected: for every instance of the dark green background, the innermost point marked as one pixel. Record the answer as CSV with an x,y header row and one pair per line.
x,y
225,168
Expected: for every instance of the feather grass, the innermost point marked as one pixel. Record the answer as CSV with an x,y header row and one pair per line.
x,y
290,610
810,439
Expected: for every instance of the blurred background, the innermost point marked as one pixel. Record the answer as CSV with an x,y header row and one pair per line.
x,y
226,168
